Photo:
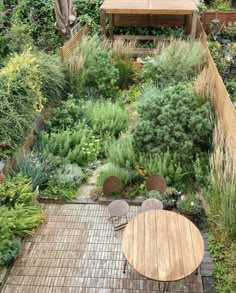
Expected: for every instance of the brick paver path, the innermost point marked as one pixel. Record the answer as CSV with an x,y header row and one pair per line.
x,y
77,250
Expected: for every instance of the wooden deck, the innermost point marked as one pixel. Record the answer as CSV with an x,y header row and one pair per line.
x,y
77,251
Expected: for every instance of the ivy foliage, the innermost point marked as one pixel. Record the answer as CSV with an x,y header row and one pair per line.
x,y
171,119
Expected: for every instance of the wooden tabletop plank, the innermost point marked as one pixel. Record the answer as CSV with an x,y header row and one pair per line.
x,y
187,245
198,244
149,6
151,254
128,242
163,257
163,245
139,240
176,257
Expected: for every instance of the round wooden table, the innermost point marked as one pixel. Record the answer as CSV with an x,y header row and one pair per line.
x,y
162,245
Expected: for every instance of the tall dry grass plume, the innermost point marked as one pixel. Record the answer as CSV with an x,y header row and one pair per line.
x,y
205,84
222,199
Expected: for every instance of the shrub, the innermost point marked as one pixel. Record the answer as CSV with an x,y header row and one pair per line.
x,y
22,219
72,146
112,170
224,256
88,12
122,154
66,116
167,200
70,174
16,190
59,191
128,71
189,204
37,168
92,68
165,164
171,119
8,255
52,74
179,60
231,88
106,117
229,33
20,96
40,17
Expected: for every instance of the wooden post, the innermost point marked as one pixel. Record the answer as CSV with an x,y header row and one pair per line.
x,y
188,24
194,25
62,54
103,23
111,24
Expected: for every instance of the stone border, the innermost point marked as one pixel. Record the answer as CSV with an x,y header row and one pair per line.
x,y
207,267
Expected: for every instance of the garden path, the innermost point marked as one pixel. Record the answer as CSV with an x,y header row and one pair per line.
x,y
77,250
89,190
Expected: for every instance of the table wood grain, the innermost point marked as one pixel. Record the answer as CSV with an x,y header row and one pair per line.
x,y
163,245
149,6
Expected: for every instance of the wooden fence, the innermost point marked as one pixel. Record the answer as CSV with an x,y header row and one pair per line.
x,y
227,18
69,47
223,105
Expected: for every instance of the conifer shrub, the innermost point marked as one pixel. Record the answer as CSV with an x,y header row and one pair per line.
x,y
172,119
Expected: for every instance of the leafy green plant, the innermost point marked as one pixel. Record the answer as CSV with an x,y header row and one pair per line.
x,y
37,168
21,98
40,17
72,146
18,221
189,204
122,154
70,174
59,191
67,115
88,12
230,84
52,74
202,170
217,54
9,254
165,164
16,190
112,170
106,117
229,32
168,201
224,257
171,119
179,60
128,71
91,67
131,95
